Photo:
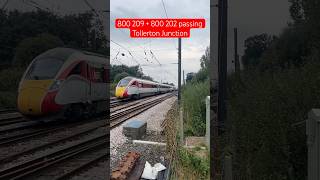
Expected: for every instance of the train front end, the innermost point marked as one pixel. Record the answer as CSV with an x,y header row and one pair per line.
x,y
38,87
122,88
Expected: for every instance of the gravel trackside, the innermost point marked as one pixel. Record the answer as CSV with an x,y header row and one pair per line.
x,y
121,145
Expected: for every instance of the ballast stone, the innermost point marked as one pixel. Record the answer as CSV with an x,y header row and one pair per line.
x,y
135,129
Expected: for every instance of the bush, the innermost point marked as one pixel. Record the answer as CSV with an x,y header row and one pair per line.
x,y
263,108
9,82
8,99
193,99
120,76
31,47
10,78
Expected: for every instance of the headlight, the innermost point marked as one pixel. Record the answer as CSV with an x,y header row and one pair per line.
x,y
56,85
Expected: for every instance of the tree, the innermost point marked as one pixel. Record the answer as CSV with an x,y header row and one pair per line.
x,y
205,59
296,11
289,50
80,31
134,71
29,48
147,78
190,76
120,76
254,48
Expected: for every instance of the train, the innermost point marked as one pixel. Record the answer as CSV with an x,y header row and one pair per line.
x,y
135,88
64,82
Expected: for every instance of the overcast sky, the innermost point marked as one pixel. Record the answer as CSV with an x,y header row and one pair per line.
x,y
253,17
249,16
165,50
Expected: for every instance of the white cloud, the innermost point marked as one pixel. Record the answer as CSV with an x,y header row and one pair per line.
x,y
165,50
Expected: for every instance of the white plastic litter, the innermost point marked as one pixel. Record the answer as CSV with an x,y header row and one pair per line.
x,y
150,172
159,167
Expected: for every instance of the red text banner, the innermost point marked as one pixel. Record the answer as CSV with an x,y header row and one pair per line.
x,y
159,28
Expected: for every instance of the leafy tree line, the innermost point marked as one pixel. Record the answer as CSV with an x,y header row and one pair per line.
x,y
191,163
24,35
117,72
277,87
193,98
43,29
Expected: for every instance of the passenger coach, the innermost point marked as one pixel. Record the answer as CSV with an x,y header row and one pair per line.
x,y
64,81
131,87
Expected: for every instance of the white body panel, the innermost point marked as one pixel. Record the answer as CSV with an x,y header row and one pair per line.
x,y
140,90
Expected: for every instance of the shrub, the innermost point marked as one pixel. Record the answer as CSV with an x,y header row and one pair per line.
x,y
8,99
10,78
193,99
9,82
31,47
263,108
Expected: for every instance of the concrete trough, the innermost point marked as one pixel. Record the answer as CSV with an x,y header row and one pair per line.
x,y
135,129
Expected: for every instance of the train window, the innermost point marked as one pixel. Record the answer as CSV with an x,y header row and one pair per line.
x,y
135,83
105,75
98,74
45,68
124,82
76,69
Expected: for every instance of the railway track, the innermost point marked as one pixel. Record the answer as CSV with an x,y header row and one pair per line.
x,y
31,167
118,102
130,103
7,110
12,120
12,117
69,155
38,132
118,117
53,142
35,166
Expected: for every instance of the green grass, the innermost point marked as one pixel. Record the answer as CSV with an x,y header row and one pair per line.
x,y
191,164
198,165
194,107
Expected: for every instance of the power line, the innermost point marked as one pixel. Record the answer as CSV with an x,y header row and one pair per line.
x,y
164,7
4,4
91,7
126,50
165,11
115,58
155,57
152,65
151,52
155,50
35,5
137,45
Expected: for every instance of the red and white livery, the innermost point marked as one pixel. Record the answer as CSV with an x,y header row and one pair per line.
x,y
131,87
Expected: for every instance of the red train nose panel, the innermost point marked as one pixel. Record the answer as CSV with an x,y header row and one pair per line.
x,y
125,94
49,105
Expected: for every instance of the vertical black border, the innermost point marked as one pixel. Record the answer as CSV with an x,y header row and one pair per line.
x,y
107,29
212,76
